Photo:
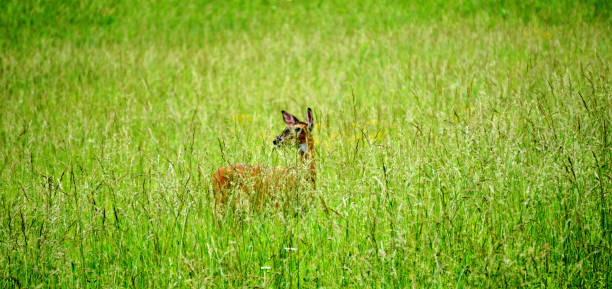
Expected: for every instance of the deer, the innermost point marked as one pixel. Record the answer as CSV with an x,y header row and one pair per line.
x,y
258,183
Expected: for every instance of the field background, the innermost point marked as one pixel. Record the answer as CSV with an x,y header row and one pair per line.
x,y
462,144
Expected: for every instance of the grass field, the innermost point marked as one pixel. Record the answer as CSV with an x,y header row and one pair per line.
x,y
463,145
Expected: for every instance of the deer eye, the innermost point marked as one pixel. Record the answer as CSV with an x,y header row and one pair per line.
x,y
298,130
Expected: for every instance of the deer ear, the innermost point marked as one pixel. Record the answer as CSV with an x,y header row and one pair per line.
x,y
289,118
309,119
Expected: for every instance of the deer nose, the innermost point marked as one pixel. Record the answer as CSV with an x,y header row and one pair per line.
x,y
275,141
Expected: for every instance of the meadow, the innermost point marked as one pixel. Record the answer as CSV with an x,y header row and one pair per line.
x,y
461,144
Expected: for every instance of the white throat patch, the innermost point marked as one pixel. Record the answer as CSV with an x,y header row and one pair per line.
x,y
303,148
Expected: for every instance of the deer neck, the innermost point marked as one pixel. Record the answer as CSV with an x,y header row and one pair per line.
x,y
306,153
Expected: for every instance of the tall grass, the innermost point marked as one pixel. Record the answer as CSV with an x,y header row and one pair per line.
x,y
462,144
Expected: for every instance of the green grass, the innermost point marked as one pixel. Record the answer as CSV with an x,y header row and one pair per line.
x,y
463,144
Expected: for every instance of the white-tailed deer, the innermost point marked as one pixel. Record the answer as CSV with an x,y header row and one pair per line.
x,y
258,183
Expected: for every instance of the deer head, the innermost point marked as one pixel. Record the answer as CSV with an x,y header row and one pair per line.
x,y
297,132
